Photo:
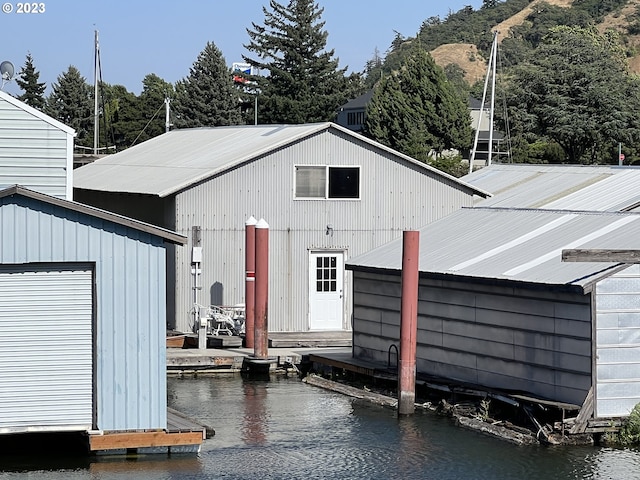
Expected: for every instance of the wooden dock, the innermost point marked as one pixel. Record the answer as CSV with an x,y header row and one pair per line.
x,y
182,435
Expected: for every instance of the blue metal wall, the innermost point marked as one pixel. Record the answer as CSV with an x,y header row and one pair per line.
x,y
130,269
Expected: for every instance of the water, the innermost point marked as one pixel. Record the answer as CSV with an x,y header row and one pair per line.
x,y
285,429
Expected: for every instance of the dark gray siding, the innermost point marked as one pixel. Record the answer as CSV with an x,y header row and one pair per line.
x,y
535,341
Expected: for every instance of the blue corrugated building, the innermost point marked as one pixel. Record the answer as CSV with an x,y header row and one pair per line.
x,y
82,317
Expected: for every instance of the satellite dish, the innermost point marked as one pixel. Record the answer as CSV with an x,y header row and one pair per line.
x,y
7,70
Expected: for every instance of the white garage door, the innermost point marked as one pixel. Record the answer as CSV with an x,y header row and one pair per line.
x,y
46,348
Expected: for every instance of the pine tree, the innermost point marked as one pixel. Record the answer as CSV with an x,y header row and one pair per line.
x,y
417,111
71,102
33,90
207,97
303,82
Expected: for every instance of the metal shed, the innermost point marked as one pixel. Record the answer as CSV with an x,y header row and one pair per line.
x,y
499,309
82,317
36,150
327,193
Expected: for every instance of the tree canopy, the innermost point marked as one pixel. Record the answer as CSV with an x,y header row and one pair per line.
x,y
302,82
28,82
71,102
207,96
576,91
417,111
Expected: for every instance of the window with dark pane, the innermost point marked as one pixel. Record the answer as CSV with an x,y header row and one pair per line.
x,y
344,182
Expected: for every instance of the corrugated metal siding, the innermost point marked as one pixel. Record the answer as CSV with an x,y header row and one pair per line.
x,y
618,343
508,338
33,152
131,315
46,348
395,196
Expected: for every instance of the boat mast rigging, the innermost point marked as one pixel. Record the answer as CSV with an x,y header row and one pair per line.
x,y
491,73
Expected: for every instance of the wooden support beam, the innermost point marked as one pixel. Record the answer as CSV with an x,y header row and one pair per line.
x,y
601,255
116,441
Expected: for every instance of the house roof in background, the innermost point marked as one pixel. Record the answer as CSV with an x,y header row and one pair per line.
x,y
173,161
360,102
521,245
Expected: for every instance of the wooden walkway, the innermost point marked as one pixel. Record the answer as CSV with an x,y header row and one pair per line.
x,y
182,434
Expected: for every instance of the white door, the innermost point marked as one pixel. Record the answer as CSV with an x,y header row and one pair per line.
x,y
326,282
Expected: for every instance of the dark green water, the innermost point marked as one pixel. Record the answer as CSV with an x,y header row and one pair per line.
x,y
285,429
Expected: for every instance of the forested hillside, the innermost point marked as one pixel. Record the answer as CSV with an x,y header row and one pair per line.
x,y
567,83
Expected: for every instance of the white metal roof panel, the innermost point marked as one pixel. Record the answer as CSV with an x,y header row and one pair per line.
x,y
522,245
534,186
614,193
175,160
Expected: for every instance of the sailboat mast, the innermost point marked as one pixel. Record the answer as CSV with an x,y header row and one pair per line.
x,y
490,69
96,123
494,51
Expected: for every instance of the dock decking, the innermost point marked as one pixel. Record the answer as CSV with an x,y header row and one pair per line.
x,y
182,435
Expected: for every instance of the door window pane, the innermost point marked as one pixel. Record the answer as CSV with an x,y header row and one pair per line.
x,y
326,274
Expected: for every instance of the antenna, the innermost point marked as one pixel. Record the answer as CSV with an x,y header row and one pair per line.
x,y
7,71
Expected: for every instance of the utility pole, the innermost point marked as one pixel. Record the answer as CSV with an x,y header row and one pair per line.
x,y
167,122
96,120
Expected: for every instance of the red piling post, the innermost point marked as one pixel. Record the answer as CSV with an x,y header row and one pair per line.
x,y
261,329
249,283
408,323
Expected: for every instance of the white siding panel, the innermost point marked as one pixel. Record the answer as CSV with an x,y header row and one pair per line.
x,y
46,349
618,343
33,152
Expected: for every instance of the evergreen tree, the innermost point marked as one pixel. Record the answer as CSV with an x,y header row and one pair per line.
x,y
207,97
417,111
33,90
303,83
152,105
120,119
71,102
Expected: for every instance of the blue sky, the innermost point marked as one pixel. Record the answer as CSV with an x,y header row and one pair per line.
x,y
138,37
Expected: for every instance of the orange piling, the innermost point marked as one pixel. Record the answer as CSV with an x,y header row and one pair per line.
x,y
249,284
261,329
408,323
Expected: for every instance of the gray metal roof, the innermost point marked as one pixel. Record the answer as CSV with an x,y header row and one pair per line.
x,y
583,187
175,160
168,235
522,245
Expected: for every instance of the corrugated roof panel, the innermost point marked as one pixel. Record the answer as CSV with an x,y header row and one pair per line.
x,y
178,158
566,187
175,160
614,193
537,189
520,245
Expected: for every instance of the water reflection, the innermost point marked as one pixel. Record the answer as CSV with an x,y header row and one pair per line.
x,y
255,412
285,429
